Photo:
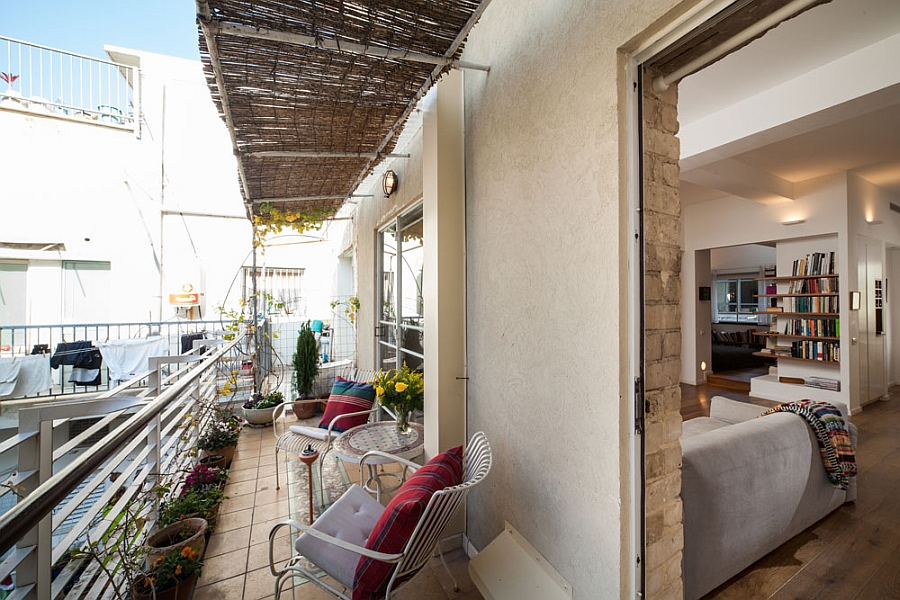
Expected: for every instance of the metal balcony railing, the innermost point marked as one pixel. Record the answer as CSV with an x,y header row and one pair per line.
x,y
27,339
65,497
40,79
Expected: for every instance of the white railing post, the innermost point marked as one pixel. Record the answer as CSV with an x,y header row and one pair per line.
x,y
154,440
136,101
36,466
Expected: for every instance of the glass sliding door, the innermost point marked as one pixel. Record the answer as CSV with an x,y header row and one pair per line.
x,y
401,326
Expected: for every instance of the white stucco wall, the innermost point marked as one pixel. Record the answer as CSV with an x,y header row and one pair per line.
x,y
547,282
170,195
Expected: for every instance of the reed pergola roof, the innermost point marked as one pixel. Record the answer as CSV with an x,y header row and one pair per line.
x,y
315,92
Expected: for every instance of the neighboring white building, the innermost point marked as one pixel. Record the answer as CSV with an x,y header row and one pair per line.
x,y
103,220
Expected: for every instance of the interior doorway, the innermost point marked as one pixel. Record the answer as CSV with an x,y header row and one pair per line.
x,y
764,174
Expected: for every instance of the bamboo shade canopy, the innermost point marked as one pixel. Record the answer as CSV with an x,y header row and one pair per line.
x,y
315,92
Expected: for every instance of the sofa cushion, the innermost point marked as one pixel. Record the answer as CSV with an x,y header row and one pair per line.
x,y
400,518
700,425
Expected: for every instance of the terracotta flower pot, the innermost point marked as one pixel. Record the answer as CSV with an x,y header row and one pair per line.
x,y
305,409
180,591
173,537
214,460
227,452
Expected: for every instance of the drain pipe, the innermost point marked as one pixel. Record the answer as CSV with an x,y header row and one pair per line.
x,y
661,82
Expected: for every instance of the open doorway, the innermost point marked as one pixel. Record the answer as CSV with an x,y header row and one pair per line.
x,y
779,141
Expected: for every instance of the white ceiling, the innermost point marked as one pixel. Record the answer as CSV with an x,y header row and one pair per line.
x,y
868,144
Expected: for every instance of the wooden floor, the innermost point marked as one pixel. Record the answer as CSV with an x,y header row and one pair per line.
x,y
854,553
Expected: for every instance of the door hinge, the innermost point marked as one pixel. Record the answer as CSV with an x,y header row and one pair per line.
x,y
638,405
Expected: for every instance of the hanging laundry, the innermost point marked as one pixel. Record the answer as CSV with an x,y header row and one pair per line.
x,y
187,342
90,374
76,354
32,375
9,372
127,359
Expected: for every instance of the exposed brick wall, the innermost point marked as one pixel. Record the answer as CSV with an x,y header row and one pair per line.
x,y
662,284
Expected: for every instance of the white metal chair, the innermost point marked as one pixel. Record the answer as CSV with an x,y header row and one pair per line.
x,y
337,540
295,438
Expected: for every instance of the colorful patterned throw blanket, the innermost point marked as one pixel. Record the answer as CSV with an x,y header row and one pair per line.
x,y
831,433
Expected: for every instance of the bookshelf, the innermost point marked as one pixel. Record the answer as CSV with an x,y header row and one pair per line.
x,y
804,308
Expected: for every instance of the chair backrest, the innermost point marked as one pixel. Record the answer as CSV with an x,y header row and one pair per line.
x,y
442,509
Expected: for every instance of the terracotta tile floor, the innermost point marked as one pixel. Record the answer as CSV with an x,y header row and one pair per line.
x,y
236,560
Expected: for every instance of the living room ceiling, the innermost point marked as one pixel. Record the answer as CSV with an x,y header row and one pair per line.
x,y
860,135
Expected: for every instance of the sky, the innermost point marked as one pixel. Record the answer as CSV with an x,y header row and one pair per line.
x,y
85,26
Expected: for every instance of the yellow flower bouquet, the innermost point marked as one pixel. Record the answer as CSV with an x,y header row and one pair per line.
x,y
403,391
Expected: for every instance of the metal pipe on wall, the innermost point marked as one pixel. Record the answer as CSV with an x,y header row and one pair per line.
x,y
661,83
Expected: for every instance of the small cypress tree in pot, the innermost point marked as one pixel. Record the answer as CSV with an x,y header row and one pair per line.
x,y
306,367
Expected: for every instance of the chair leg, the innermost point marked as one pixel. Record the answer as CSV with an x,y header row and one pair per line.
x,y
277,482
440,551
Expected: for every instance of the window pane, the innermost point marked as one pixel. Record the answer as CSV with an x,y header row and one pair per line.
x,y
747,291
726,295
389,275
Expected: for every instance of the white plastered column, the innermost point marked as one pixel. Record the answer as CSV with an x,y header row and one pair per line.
x,y
444,281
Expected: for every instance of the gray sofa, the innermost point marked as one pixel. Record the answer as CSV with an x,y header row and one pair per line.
x,y
748,486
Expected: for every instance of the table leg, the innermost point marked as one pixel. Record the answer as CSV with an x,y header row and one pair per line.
x,y
312,515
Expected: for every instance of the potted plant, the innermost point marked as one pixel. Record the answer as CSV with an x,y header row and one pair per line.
x,y
202,502
402,390
203,477
259,408
306,367
171,575
219,438
181,533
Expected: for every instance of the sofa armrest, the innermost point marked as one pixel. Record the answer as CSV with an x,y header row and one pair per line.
x,y
733,411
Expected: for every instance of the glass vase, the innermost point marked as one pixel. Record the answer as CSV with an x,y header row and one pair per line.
x,y
403,417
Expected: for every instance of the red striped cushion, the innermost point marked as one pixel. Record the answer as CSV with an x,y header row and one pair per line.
x,y
348,397
399,519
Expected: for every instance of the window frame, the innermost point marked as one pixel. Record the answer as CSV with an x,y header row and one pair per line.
x,y
395,329
742,280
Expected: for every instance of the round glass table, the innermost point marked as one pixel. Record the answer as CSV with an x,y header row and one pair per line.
x,y
354,443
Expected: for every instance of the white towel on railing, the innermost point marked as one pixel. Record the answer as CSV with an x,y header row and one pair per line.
x,y
32,375
128,358
9,372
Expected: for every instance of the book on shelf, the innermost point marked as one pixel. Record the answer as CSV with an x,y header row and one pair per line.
x,y
823,383
817,263
774,309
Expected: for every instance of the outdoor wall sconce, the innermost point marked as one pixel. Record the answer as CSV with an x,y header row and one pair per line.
x,y
389,183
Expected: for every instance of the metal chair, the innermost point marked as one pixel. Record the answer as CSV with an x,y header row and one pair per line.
x,y
354,516
295,438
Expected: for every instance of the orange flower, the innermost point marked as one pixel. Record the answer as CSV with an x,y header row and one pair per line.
x,y
186,551
178,570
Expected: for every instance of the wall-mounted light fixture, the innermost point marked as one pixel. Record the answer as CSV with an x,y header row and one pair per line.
x,y
875,222
703,365
389,183
793,222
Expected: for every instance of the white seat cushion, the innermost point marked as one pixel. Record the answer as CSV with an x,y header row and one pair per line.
x,y
351,519
313,432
